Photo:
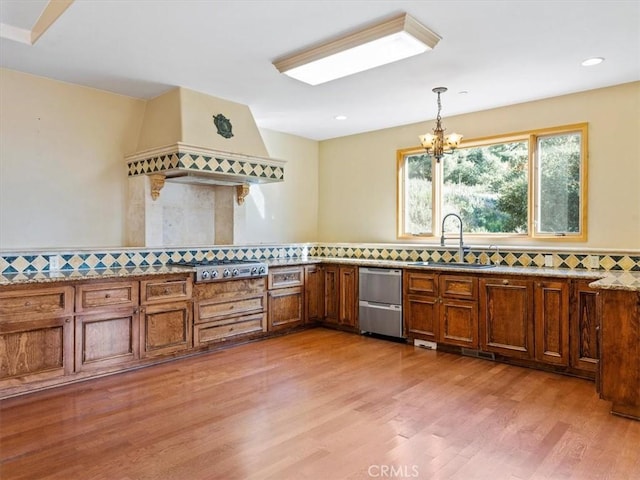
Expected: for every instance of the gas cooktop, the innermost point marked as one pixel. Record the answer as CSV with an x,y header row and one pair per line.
x,y
215,270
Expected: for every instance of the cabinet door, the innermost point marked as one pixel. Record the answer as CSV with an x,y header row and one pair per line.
x,y
552,321
106,339
459,323
331,293
421,317
348,286
506,318
36,350
314,293
620,342
583,326
285,308
165,329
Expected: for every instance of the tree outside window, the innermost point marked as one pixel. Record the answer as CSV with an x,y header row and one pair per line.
x,y
491,184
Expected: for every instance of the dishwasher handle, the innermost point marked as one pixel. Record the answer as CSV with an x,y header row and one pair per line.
x,y
381,306
381,271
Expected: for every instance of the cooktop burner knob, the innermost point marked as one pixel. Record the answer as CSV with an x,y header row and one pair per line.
x,y
235,272
226,273
263,270
205,275
214,273
254,270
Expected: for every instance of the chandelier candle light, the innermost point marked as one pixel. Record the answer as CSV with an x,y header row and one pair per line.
x,y
437,144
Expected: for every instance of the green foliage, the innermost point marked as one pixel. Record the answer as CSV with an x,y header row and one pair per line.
x,y
488,187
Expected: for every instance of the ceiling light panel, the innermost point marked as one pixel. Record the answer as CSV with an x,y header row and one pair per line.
x,y
395,39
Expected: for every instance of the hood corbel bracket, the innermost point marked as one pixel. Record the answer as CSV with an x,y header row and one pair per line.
x,y
242,191
157,182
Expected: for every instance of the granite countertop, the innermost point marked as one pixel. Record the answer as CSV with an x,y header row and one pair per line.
x,y
607,280
90,274
602,279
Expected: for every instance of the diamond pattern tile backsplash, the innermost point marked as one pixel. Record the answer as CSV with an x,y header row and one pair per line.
x,y
26,262
204,163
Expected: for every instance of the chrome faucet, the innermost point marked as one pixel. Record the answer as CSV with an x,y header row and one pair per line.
x,y
461,248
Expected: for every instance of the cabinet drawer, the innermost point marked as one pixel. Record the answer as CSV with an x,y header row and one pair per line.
x,y
286,277
106,296
50,302
212,309
454,286
421,283
213,332
165,290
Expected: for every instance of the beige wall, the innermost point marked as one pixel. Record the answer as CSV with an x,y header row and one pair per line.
x,y
62,173
287,211
357,201
63,178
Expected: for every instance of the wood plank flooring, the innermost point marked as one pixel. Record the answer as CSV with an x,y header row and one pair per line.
x,y
320,404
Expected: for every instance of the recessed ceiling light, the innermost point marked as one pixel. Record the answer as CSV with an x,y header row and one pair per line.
x,y
398,38
589,62
340,117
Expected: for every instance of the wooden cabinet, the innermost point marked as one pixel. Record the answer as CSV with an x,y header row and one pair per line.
x,y
106,324
313,293
506,316
229,310
36,334
619,312
348,298
165,317
420,305
341,296
441,308
458,316
551,311
583,323
285,298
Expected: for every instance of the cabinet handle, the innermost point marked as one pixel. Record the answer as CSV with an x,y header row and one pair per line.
x,y
108,295
505,282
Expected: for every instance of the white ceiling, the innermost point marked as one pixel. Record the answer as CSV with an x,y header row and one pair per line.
x,y
501,52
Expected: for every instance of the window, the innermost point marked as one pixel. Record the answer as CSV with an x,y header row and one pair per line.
x,y
526,184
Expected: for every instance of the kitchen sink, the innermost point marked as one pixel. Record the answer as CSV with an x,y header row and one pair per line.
x,y
455,265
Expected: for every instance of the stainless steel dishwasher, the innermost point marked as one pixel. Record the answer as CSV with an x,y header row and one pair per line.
x,y
381,301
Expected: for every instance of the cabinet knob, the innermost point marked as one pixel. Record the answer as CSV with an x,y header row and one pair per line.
x,y
505,282
165,291
108,295
27,304
67,320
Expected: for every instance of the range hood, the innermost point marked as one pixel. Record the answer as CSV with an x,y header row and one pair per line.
x,y
190,137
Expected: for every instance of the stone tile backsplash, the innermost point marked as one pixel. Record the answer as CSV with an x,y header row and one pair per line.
x,y
25,262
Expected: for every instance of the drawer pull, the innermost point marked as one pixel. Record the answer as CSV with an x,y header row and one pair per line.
x,y
108,295
165,291
505,282
27,303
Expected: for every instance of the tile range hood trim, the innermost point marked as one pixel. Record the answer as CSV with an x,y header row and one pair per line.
x,y
178,142
191,164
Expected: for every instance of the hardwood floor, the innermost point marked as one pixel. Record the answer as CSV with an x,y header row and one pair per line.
x,y
320,404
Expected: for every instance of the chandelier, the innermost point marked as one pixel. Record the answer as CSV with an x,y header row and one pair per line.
x,y
437,144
